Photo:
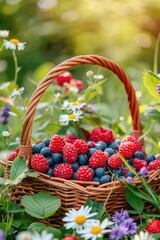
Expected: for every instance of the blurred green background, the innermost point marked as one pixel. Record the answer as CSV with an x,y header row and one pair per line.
x,y
54,30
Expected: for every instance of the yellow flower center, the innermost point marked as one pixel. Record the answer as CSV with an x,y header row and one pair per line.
x,y
72,116
96,230
80,219
14,41
74,103
26,238
80,100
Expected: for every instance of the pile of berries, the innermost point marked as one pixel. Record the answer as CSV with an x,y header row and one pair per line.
x,y
96,159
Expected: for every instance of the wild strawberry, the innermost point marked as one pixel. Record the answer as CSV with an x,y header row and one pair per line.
x,y
102,134
154,226
81,146
64,78
84,173
130,138
70,153
154,165
98,159
63,170
114,161
56,144
127,149
70,238
12,156
138,164
78,83
39,163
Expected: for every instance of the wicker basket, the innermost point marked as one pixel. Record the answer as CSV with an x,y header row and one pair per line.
x,y
73,194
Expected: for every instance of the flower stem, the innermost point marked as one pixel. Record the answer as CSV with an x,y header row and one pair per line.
x,y
78,130
15,66
1,48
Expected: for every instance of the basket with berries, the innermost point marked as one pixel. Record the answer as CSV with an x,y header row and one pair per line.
x,y
77,168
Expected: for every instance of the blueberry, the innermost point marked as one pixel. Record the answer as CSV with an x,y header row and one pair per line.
x,y
50,172
46,142
75,166
129,160
121,177
51,162
129,174
99,172
91,151
105,179
35,148
57,157
82,159
118,141
117,171
74,176
114,146
150,158
64,160
41,145
110,151
55,165
46,152
100,145
92,170
96,179
139,155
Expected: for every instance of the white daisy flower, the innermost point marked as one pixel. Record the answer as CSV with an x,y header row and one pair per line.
x,y
26,235
75,116
96,229
5,134
16,92
13,44
44,235
4,33
77,105
79,219
143,235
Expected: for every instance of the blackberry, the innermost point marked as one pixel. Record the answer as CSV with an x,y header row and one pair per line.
x,y
82,159
105,179
35,149
99,172
114,146
110,151
57,157
75,166
117,171
139,155
46,142
46,152
150,158
50,172
91,151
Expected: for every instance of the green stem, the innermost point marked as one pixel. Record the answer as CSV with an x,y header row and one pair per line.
x,y
78,130
155,62
15,66
1,48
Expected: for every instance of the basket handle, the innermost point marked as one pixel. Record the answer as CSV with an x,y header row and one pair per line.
x,y
25,145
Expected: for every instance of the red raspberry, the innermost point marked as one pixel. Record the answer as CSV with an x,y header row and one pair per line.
x,y
102,134
70,153
64,78
81,146
114,161
98,159
69,138
124,170
56,144
127,149
12,156
39,163
134,140
138,164
63,170
154,226
78,83
84,173
154,165
70,238
17,150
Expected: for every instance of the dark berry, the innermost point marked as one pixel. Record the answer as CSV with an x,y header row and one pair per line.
x,y
118,141
75,166
96,179
129,174
91,151
51,162
110,151
101,145
57,157
91,144
74,176
150,158
130,161
41,145
99,172
46,151
46,142
35,148
105,179
117,171
139,155
82,159
50,172
114,146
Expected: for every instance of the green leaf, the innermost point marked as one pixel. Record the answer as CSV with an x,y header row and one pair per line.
x,y
36,226
156,106
156,236
14,208
56,232
152,113
41,205
22,220
133,212
87,94
96,207
32,174
18,167
150,82
134,201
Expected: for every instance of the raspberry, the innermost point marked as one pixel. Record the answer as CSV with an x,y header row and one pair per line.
x,y
84,173
81,146
102,134
63,170
114,161
64,78
12,156
124,170
56,144
154,165
70,153
154,226
98,159
39,163
86,133
17,150
138,164
130,138
69,138
127,149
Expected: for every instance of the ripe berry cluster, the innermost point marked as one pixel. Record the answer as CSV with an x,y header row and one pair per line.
x,y
96,159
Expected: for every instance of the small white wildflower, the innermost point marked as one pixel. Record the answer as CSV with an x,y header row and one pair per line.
x,y
16,93
65,118
73,89
99,77
44,235
57,95
89,74
4,33
13,44
5,134
143,235
74,106
26,235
